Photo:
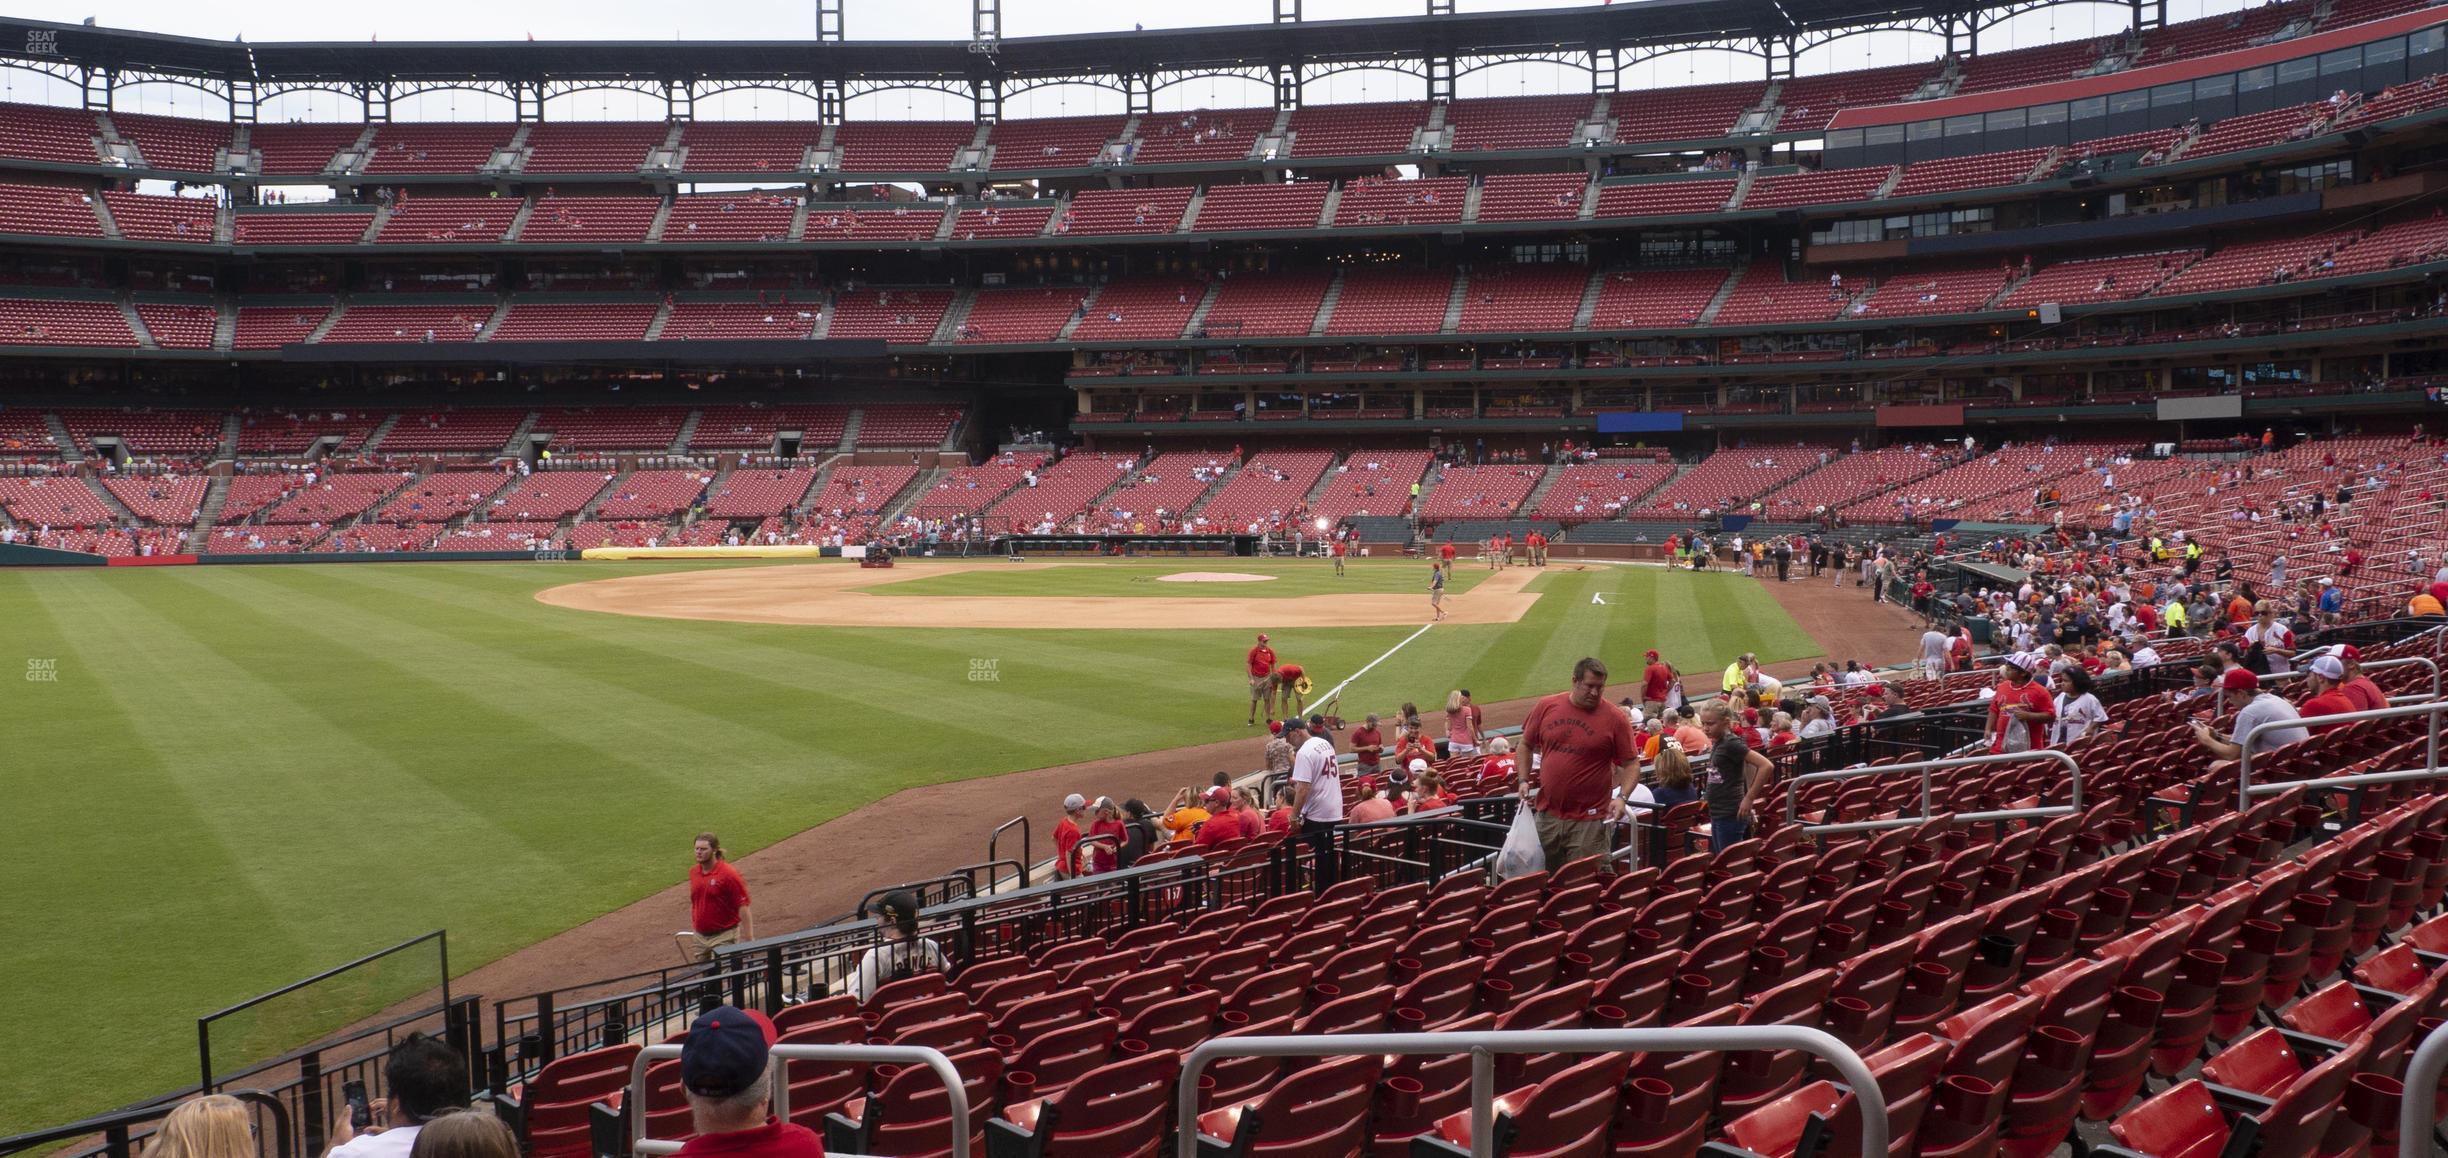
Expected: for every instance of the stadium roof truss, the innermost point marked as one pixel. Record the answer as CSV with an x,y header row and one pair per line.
x,y
1437,47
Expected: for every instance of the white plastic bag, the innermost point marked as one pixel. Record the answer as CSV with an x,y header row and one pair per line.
x,y
1521,854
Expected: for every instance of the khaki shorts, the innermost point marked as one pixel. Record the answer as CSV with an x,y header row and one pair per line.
x,y
1564,840
700,946
1260,686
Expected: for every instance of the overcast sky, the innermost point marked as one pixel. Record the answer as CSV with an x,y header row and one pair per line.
x,y
265,20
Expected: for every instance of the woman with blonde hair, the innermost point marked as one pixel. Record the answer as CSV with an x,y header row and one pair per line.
x,y
1461,725
212,1126
465,1134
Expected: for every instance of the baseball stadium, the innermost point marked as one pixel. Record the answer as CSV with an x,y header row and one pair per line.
x,y
1642,579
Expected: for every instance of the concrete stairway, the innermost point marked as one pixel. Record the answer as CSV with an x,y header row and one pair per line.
x,y
1709,314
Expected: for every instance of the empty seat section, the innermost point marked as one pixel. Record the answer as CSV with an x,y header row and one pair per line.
x,y
148,433
1139,311
479,430
2404,243
1848,479
1645,299
2099,279
1358,130
565,219
1428,201
1811,101
1941,292
291,434
436,220
2015,469
161,498
24,434
1266,205
576,322
26,322
1532,196
1663,198
1695,113
1371,483
1391,301
1505,299
57,501
48,209
901,146
435,148
1996,70
372,537
1529,122
301,228
1095,212
1588,492
1157,495
442,495
547,496
1764,296
490,536
1020,315
302,147
2225,32
1731,477
334,498
182,219
179,327
1062,493
1199,135
189,146
736,321
906,424
1001,221
852,497
713,217
758,492
1978,171
1793,189
271,327
48,133
591,146
2254,263
967,490
1266,490
2395,101
1479,492
747,146
757,427
1266,305
882,223
409,324
612,427
2257,130
652,494
249,493
1051,142
903,316
2145,143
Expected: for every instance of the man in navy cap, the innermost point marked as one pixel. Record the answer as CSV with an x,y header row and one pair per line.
x,y
726,1067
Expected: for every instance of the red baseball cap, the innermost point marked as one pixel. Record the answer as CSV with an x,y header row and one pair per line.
x,y
1653,653
2238,679
1262,637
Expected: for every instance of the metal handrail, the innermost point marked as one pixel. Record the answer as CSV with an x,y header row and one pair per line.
x,y
2422,1076
992,855
907,1055
2246,790
1793,790
114,1127
2376,665
1485,1045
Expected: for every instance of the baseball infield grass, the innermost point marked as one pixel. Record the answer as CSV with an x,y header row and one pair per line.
x,y
222,779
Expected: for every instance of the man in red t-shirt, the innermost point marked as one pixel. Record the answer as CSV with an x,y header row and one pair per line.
x,y
1445,551
2358,687
1223,823
718,903
2020,700
1368,746
1587,759
1338,556
1287,687
2327,699
1657,680
1262,679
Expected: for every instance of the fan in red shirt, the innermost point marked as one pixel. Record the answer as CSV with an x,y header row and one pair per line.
x,y
1582,746
718,903
726,1057
2358,687
1223,823
1367,745
1262,679
1446,553
2020,699
1656,680
2325,675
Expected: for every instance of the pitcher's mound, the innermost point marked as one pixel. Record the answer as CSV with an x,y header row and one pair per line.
x,y
1214,577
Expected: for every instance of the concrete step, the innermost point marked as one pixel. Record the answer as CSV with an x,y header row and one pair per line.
x,y
1470,204
1326,304
1718,301
375,439
144,337
493,323
654,329
1589,300
110,225
225,326
216,495
663,214
1198,316
330,319
1086,304
1454,300
688,427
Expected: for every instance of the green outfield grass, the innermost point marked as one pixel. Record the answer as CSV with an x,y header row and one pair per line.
x,y
243,775
1287,578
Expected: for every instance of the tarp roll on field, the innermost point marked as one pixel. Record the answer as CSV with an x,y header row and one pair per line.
x,y
780,551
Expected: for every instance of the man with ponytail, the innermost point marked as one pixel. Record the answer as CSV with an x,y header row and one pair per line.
x,y
718,903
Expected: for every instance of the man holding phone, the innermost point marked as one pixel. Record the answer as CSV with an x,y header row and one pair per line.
x,y
426,1080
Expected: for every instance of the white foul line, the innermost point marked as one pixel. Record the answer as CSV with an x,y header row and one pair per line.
x,y
1336,691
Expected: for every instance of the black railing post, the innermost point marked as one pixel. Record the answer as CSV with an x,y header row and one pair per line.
x,y
115,1141
1131,902
459,1028
773,980
310,1104
547,1034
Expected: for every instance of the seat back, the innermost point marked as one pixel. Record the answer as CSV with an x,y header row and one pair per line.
x,y
556,1100
1115,1109
1568,1113
1062,1055
1320,1110
911,1115
816,1087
